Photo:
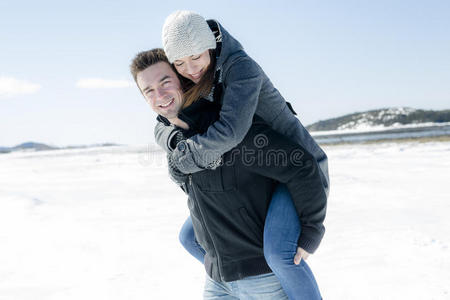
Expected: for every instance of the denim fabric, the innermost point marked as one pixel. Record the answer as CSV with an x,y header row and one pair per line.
x,y
259,287
281,231
189,242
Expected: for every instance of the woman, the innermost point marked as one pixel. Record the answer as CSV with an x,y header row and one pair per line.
x,y
214,65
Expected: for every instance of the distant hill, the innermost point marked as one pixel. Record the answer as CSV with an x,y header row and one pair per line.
x,y
4,150
28,146
33,146
380,118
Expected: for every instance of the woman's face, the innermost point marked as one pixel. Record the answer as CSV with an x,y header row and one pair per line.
x,y
193,67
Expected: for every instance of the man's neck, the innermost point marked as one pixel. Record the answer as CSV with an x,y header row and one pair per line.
x,y
177,122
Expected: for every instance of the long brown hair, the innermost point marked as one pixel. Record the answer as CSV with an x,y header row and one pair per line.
x,y
192,91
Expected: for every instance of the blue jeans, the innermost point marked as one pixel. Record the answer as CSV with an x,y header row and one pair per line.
x,y
281,232
260,287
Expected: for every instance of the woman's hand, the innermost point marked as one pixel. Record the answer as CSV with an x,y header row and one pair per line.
x,y
301,253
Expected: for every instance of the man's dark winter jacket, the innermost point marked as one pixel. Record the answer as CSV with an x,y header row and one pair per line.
x,y
228,205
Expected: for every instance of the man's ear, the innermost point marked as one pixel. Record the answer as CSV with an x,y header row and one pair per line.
x,y
139,88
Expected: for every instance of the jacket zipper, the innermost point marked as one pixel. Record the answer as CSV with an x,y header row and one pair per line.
x,y
205,228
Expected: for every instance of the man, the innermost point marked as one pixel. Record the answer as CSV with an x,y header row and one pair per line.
x,y
228,205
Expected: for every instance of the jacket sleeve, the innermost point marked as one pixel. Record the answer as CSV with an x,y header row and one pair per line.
x,y
268,153
242,84
164,134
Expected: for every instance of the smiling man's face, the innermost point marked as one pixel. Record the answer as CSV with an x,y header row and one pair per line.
x,y
162,89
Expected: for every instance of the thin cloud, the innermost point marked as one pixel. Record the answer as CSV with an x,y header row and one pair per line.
x,y
10,87
98,83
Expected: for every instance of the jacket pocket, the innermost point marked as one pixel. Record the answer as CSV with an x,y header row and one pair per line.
x,y
253,227
219,180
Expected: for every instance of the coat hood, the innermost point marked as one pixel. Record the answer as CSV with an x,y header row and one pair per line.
x,y
227,45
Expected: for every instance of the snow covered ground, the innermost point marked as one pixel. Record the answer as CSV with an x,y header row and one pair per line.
x,y
103,224
379,128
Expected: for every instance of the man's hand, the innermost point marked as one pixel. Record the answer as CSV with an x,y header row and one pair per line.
x,y
301,253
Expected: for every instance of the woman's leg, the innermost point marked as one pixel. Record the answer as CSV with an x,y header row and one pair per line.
x,y
281,232
187,239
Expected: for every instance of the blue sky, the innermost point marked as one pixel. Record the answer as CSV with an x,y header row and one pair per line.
x,y
328,58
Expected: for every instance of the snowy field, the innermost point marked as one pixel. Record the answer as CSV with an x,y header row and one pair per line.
x,y
103,224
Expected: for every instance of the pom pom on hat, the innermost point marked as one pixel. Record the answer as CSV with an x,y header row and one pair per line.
x,y
186,33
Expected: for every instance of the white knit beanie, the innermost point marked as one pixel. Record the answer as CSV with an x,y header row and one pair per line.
x,y
186,33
